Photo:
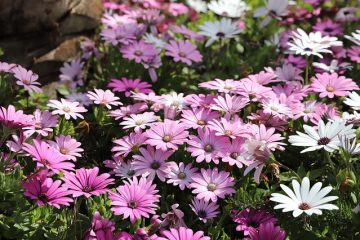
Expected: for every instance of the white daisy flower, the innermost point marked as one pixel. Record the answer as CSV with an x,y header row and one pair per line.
x,y
150,38
219,29
353,100
354,37
334,66
326,136
66,108
304,199
197,5
139,121
228,8
273,9
174,100
312,44
349,146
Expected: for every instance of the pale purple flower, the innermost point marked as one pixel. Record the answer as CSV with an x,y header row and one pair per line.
x,y
44,123
27,79
204,210
105,98
66,108
67,146
198,117
183,51
181,174
129,144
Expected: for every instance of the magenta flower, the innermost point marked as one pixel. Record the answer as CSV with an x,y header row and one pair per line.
x,y
267,231
27,79
231,128
101,228
330,85
166,135
66,108
129,144
129,86
183,51
225,86
204,210
198,117
183,234
135,199
328,28
104,98
44,123
187,33
87,182
67,147
13,119
46,191
229,104
152,162
139,51
47,156
250,218
181,175
207,146
211,184
266,137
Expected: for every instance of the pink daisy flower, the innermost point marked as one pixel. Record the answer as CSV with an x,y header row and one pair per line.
x,y
135,199
250,218
235,154
46,191
104,98
13,119
87,182
225,86
153,163
129,144
330,85
44,123
139,121
67,147
229,104
266,137
129,86
183,51
231,128
101,228
201,100
27,79
267,231
47,156
180,175
128,110
66,108
198,117
6,67
211,184
253,91
147,98
264,78
207,146
139,51
276,108
183,234
125,170
166,135
328,28
354,54
204,210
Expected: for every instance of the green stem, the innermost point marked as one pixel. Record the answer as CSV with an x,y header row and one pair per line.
x,y
306,82
285,167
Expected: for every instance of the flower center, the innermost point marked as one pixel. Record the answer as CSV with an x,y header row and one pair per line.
x,y
182,54
308,110
307,49
135,148
202,213
43,197
274,108
234,155
167,138
64,151
87,189
228,87
304,206
323,141
201,122
155,165
139,122
38,126
26,82
328,29
132,204
211,187
330,88
138,53
182,175
208,148
220,34
130,173
254,224
228,133
66,109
